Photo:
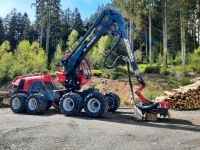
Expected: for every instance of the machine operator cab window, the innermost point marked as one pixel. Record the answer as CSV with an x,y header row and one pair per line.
x,y
83,72
84,69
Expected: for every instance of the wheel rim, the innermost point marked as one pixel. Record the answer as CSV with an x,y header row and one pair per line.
x,y
68,104
111,101
32,104
93,105
16,103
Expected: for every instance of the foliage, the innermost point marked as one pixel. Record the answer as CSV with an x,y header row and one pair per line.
x,y
72,40
152,90
178,59
142,67
185,81
195,60
78,23
57,57
113,74
138,56
2,32
152,69
164,71
160,60
98,73
27,59
97,54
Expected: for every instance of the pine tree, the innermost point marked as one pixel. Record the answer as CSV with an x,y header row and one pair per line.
x,y
48,17
66,25
12,35
33,34
78,23
25,27
2,32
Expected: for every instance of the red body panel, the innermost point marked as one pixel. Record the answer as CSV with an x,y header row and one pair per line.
x,y
164,105
31,78
60,76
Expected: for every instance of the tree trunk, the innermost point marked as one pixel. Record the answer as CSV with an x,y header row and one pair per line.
x,y
146,46
141,59
165,51
198,25
48,37
183,48
41,31
150,50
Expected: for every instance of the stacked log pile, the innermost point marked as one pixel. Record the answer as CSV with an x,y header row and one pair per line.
x,y
3,96
185,98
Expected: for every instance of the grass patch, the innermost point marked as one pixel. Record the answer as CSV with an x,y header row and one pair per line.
x,y
97,73
152,90
152,69
185,81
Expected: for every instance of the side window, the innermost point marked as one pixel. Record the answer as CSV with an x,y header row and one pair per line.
x,y
21,84
35,87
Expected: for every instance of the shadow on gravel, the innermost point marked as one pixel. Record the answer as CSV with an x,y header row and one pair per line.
x,y
127,118
124,117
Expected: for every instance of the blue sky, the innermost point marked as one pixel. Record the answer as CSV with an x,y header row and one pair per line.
x,y
86,7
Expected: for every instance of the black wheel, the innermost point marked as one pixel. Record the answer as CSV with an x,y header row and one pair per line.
x,y
96,105
71,104
36,104
49,105
56,105
85,93
113,100
18,103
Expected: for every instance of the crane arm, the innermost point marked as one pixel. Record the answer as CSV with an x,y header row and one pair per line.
x,y
107,20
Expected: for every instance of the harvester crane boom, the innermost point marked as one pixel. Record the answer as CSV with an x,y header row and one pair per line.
x,y
107,20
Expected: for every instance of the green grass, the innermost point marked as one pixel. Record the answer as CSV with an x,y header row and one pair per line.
x,y
98,73
153,90
185,81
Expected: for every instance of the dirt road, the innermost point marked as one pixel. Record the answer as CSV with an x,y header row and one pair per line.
x,y
117,131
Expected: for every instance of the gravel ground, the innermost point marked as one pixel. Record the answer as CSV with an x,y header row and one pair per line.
x,y
117,131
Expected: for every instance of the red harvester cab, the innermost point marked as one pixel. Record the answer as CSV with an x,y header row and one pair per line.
x,y
83,72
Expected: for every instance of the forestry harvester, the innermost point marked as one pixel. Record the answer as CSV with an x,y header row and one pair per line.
x,y
35,93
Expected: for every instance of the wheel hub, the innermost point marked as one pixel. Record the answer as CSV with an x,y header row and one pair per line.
x,y
93,105
16,103
32,104
68,104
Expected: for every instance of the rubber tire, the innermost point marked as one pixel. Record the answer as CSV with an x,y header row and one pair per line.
x,y
22,97
78,104
103,105
41,104
113,100
56,105
85,93
49,105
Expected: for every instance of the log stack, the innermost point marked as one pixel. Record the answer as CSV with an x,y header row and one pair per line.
x,y
3,97
185,98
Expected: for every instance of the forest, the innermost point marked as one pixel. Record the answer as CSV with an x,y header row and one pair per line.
x,y
164,35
